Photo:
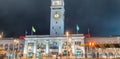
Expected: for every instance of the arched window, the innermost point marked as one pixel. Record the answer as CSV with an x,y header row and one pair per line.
x,y
1,45
6,46
11,47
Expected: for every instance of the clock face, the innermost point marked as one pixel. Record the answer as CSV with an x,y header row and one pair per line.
x,y
56,15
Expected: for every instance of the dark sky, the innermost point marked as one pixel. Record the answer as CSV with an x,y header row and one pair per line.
x,y
102,17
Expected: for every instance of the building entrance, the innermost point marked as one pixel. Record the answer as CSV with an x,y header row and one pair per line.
x,y
30,50
41,48
67,50
54,48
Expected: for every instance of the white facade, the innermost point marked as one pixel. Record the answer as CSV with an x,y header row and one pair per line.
x,y
50,44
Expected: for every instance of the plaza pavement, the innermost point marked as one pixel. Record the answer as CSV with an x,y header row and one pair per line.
x,y
61,58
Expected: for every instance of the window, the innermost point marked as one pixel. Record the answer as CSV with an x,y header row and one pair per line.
x,y
56,8
77,43
53,27
56,22
55,32
59,27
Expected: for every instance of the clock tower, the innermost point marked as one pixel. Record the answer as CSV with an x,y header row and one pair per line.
x,y
57,17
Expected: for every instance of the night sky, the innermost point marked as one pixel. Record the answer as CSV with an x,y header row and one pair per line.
x,y
102,17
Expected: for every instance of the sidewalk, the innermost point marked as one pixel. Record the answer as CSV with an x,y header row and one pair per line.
x,y
64,57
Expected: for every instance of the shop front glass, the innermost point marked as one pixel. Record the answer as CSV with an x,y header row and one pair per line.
x,y
79,53
40,49
67,50
54,48
30,50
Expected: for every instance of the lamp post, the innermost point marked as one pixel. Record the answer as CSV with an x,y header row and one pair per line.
x,y
0,36
15,51
92,45
70,41
67,34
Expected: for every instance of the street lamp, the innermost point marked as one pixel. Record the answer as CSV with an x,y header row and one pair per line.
x,y
67,34
92,45
0,36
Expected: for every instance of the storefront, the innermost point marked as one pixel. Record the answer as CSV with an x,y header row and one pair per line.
x,y
105,47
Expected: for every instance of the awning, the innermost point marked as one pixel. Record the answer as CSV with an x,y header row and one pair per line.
x,y
107,45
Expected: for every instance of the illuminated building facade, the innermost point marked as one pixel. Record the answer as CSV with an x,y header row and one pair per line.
x,y
57,42
105,47
11,45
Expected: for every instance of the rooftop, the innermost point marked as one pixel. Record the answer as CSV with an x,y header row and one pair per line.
x,y
42,36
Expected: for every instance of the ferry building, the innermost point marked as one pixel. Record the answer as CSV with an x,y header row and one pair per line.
x,y
61,42
57,42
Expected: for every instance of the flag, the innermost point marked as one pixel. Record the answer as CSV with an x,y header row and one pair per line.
x,y
77,28
88,31
33,29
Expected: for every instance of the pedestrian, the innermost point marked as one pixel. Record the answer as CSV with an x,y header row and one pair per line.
x,y
10,55
97,54
15,56
56,55
60,56
20,56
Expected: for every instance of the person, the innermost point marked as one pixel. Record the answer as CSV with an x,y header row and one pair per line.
x,y
4,54
10,55
93,55
21,54
97,54
15,54
56,55
60,56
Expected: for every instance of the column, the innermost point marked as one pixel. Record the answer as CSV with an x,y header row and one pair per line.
x,y
25,47
35,47
47,47
73,47
60,46
18,46
13,46
8,47
3,46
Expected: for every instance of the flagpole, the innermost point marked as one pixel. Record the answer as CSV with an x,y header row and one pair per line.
x,y
26,33
88,31
77,31
2,34
31,32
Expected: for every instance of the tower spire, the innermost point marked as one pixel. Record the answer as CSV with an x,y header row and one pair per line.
x,y
57,17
